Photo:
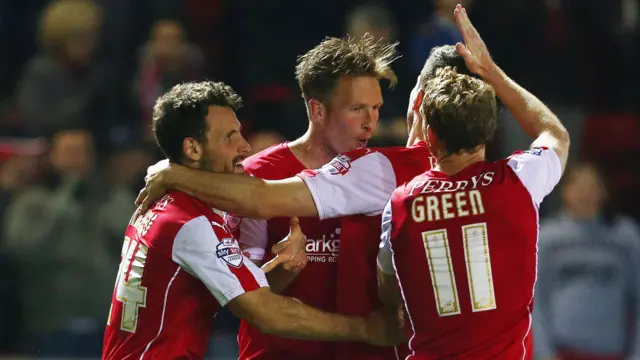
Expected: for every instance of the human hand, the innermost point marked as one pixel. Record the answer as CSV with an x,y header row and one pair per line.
x,y
290,252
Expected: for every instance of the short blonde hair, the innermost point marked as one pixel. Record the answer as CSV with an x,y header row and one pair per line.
x,y
461,110
319,70
64,17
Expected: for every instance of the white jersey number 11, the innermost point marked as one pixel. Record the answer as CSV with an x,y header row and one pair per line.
x,y
478,261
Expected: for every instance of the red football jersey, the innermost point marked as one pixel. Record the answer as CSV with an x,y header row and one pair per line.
x,y
464,249
315,285
179,266
361,182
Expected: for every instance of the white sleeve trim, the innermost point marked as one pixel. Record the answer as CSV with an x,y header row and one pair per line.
x,y
253,237
316,194
345,187
195,249
159,166
385,255
255,254
539,170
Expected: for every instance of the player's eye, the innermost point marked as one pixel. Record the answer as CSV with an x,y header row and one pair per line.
x,y
230,134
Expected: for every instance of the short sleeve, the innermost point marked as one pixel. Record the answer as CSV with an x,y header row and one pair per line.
x,y
385,255
218,263
252,236
350,185
157,167
539,169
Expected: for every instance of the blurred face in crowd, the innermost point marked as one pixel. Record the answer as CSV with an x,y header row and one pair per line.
x,y
583,193
167,42
263,140
72,153
125,167
353,112
79,47
224,147
379,33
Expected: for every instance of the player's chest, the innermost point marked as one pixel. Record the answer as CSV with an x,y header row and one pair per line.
x,y
322,237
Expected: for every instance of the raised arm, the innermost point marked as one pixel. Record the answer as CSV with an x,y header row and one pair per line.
x,y
532,115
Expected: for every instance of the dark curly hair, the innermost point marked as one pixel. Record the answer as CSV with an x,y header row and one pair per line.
x,y
440,57
319,70
181,113
460,109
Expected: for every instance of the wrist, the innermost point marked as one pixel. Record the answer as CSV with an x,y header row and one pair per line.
x,y
495,75
171,177
360,330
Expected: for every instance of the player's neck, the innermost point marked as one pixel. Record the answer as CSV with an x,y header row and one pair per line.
x,y
453,164
311,150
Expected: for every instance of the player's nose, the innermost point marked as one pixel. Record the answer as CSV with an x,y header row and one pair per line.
x,y
371,120
244,147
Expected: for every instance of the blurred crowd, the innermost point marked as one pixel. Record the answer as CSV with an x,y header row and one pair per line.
x,y
78,79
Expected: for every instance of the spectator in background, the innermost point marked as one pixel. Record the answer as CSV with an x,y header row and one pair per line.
x,y
373,18
588,289
126,168
54,233
60,82
264,139
164,61
439,30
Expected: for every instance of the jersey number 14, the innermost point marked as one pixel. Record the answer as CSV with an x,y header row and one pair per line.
x,y
478,261
129,290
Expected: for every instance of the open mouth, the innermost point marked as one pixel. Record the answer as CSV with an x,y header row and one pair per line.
x,y
363,143
237,164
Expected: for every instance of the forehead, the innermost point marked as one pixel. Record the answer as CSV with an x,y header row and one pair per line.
x,y
360,89
221,118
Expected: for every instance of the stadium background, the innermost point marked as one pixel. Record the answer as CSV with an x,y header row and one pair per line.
x,y
64,203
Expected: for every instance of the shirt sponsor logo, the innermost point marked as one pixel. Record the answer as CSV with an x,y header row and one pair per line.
x,y
229,251
325,249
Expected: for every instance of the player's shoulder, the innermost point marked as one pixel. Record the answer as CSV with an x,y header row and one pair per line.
x,y
535,154
170,214
409,187
179,206
419,148
409,161
269,160
362,161
539,169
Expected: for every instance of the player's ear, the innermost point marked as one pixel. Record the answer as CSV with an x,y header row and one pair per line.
x,y
192,149
317,110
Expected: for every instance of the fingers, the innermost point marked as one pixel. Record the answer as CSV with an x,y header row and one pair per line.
x,y
141,195
283,244
467,30
146,203
463,22
294,223
463,51
271,264
296,263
